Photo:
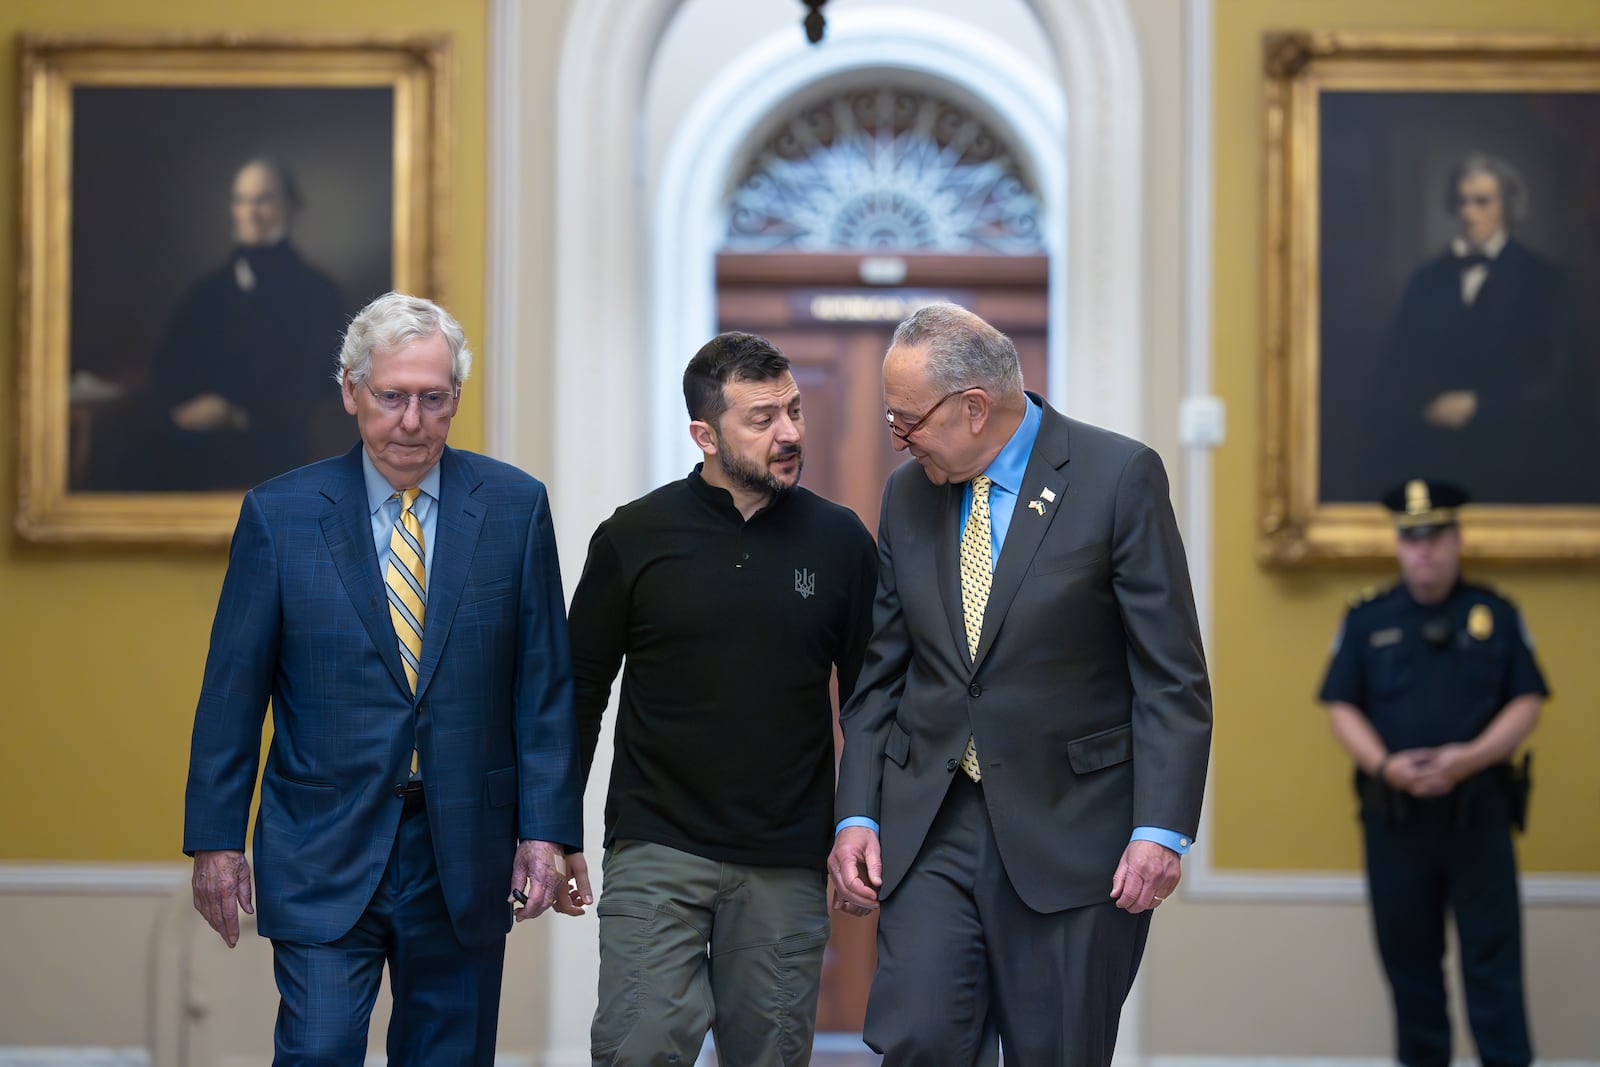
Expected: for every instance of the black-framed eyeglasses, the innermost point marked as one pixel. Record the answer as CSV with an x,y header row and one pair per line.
x,y
433,402
905,434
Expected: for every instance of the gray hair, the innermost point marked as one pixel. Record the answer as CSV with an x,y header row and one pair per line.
x,y
1513,190
396,319
962,350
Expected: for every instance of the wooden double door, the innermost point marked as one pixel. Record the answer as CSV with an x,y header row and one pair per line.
x,y
835,330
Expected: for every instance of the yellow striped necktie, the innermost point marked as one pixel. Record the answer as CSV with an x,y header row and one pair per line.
x,y
977,574
407,584
408,590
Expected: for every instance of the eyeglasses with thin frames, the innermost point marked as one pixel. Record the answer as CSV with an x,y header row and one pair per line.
x,y
905,434
433,402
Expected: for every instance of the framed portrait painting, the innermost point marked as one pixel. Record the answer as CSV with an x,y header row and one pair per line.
x,y
201,216
1431,266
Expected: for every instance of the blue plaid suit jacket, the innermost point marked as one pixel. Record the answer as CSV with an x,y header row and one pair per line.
x,y
303,620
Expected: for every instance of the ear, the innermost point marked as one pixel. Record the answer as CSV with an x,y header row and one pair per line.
x,y
976,406
347,389
704,438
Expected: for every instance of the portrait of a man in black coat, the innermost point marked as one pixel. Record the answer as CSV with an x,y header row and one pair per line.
x,y
247,359
232,383
1479,373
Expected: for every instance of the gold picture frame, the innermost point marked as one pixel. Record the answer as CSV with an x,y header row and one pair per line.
x,y
1365,134
133,148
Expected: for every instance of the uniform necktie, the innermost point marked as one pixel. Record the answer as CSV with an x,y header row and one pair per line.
x,y
407,585
977,574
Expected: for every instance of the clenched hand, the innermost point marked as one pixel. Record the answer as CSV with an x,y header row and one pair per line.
x,y
539,870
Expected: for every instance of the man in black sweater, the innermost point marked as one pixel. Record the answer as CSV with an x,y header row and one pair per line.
x,y
733,594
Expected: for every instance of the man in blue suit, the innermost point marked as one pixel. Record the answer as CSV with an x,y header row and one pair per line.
x,y
401,606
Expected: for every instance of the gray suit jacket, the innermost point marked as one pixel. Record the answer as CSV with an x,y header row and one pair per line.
x,y
1088,698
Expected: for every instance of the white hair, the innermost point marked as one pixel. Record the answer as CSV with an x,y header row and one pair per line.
x,y
396,319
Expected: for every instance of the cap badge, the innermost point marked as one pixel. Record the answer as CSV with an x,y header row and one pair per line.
x,y
1417,497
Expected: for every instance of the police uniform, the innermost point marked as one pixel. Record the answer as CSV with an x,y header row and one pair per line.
x,y
1427,675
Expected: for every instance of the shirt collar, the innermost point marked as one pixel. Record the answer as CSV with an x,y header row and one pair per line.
x,y
380,492
1490,248
722,500
1007,469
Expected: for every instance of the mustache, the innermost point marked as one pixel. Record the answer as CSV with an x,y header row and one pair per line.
x,y
787,453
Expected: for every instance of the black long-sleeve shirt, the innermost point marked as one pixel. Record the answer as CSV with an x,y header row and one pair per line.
x,y
730,629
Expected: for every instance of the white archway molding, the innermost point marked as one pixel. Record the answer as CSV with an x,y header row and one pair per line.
x,y
603,306
603,270
716,134
1098,53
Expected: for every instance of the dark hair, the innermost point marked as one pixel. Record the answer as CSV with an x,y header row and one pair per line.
x,y
727,357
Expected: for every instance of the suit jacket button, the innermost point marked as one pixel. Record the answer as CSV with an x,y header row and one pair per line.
x,y
974,690
951,764
400,790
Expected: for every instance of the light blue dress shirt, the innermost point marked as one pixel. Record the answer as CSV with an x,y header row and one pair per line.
x,y
384,507
1005,473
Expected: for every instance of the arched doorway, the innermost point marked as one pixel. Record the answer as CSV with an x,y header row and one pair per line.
x,y
755,95
861,197
609,305
856,207
614,307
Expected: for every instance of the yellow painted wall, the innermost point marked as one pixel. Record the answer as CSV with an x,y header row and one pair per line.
x,y
102,650
1281,795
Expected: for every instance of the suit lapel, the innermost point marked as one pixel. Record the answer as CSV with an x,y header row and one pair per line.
x,y
1047,470
347,530
456,533
947,514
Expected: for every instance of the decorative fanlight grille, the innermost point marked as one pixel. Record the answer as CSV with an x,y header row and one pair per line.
x,y
884,170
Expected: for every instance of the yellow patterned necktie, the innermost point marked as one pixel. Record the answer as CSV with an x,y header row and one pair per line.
x,y
977,574
407,586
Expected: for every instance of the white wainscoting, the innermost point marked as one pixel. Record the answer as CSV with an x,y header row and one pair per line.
x,y
73,1057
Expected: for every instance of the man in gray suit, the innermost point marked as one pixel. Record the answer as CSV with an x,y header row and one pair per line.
x,y
1026,748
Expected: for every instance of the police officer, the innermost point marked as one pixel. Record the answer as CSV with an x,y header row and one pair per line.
x,y
1431,688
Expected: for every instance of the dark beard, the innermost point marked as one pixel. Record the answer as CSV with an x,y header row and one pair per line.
x,y
744,474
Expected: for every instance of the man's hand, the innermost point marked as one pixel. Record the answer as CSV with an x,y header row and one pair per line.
x,y
221,887
1446,767
856,869
1146,875
538,874
1452,410
575,892
1410,771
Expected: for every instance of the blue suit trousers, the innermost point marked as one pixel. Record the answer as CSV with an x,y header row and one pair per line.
x,y
446,996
